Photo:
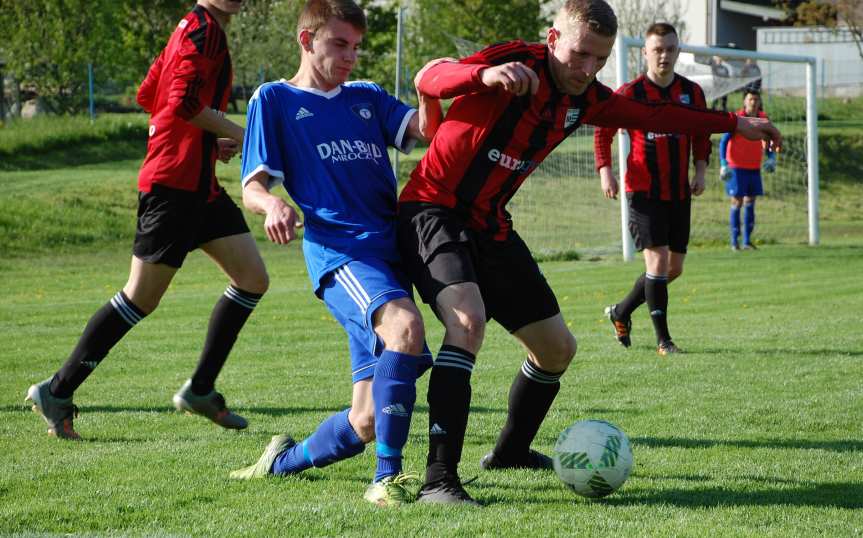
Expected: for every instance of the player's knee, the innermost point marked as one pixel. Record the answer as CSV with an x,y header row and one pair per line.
x,y
467,329
674,272
255,280
363,422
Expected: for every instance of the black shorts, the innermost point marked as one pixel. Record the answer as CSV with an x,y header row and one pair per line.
x,y
658,223
173,222
438,250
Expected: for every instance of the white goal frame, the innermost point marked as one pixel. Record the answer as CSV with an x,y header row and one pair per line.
x,y
623,44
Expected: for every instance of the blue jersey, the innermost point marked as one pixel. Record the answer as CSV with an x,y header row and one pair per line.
x,y
329,151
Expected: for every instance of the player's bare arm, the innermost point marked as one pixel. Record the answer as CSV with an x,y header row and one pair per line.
x,y
514,77
697,184
216,123
282,220
608,182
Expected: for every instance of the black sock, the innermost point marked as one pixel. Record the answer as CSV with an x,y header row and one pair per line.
x,y
633,300
656,292
228,317
449,404
530,397
107,327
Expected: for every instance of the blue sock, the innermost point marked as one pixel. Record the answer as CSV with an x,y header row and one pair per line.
x,y
394,391
734,224
334,440
748,222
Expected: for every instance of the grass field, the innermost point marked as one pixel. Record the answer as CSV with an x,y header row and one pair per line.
x,y
755,431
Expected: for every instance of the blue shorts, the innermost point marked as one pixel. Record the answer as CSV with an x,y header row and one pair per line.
x,y
744,182
352,293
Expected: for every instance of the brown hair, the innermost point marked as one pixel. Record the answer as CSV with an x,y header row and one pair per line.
x,y
660,29
316,13
598,15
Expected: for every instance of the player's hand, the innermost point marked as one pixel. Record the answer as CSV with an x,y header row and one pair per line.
x,y
770,164
760,129
697,185
282,222
514,77
608,183
227,149
418,77
724,173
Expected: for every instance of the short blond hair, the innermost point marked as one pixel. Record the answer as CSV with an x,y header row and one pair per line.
x,y
316,13
598,15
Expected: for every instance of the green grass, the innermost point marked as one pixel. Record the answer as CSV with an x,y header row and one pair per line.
x,y
753,432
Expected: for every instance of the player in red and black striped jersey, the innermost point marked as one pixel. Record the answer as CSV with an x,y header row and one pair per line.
x,y
181,207
513,104
658,189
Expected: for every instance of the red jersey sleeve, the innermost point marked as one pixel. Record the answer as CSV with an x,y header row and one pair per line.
x,y
149,87
618,111
194,66
450,79
701,146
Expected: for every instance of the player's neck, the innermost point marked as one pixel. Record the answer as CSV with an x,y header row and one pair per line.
x,y
308,77
663,81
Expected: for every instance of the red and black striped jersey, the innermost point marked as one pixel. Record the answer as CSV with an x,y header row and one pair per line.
x,y
491,140
192,72
658,162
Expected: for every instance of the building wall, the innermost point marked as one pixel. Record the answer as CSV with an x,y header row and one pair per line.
x,y
839,65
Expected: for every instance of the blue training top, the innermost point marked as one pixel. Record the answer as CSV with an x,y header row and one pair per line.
x,y
329,151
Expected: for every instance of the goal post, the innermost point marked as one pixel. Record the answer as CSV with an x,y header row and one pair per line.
x,y
771,83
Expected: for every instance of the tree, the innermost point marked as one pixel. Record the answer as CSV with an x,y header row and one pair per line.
x,y
434,26
49,43
263,41
851,13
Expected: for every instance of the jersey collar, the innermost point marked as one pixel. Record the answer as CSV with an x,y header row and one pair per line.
x,y
326,95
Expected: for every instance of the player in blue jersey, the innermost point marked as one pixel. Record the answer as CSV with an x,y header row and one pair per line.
x,y
325,140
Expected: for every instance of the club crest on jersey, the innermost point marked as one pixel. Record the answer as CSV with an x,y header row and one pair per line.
x,y
363,110
685,99
572,115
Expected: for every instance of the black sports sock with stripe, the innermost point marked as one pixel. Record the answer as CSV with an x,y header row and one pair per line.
x,y
530,397
633,299
228,317
656,292
449,396
107,327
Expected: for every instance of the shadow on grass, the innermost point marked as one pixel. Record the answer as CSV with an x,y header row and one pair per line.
x,y
841,445
831,494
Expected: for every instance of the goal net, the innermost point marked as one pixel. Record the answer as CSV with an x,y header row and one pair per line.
x,y
560,208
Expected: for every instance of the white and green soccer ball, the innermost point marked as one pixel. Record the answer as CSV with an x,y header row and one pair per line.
x,y
593,457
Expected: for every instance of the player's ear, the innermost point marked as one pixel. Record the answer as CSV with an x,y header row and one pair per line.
x,y
305,38
552,36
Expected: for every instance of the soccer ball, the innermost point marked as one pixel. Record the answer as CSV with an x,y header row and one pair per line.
x,y
592,457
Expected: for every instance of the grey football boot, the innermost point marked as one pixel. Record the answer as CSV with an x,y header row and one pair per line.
x,y
57,412
211,406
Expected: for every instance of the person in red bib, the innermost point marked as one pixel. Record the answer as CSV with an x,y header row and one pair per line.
x,y
741,161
